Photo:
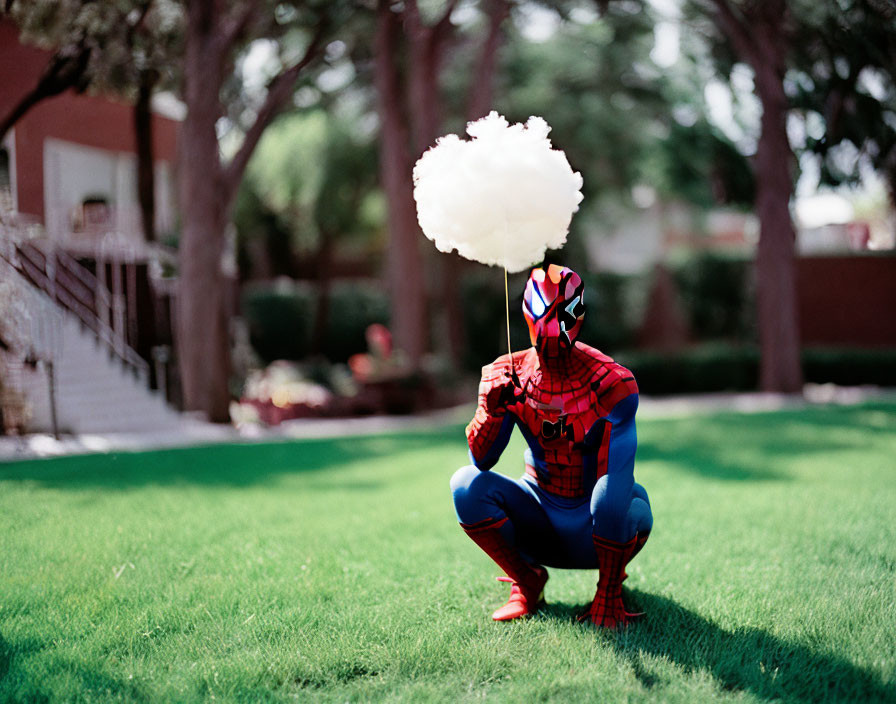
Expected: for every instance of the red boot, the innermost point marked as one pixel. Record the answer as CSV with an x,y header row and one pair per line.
x,y
527,581
640,540
607,609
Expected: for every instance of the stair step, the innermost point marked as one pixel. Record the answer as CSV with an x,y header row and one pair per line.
x,y
96,392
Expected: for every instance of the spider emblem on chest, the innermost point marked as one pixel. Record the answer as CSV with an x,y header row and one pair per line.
x,y
559,429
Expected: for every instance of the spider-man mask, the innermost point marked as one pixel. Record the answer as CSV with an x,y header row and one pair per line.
x,y
554,308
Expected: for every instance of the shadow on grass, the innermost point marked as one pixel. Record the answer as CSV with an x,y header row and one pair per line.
x,y
745,447
6,654
747,659
240,465
74,680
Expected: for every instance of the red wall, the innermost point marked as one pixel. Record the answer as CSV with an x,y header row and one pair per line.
x,y
83,119
848,301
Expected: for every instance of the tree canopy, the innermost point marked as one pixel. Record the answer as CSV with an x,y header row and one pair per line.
x,y
351,77
843,84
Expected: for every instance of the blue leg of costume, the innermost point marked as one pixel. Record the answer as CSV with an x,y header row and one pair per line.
x,y
622,519
620,508
544,531
618,517
489,496
490,508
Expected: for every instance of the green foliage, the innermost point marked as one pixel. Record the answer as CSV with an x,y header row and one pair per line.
x,y
844,85
485,319
309,187
717,293
596,86
285,172
121,38
334,570
850,366
259,227
713,367
840,79
348,183
698,164
703,369
353,308
280,318
611,315
621,118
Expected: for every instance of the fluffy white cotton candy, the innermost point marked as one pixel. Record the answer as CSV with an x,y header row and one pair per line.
x,y
501,198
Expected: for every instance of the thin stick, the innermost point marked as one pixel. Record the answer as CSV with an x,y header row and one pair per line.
x,y
507,311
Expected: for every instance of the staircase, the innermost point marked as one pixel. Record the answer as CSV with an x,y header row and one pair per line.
x,y
100,384
95,392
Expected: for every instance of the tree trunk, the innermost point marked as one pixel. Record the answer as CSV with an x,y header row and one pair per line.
x,y
146,194
481,97
207,192
428,45
203,344
780,368
425,109
323,264
405,266
759,35
482,90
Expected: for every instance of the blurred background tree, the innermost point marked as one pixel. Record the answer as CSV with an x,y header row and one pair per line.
x,y
758,34
412,46
304,120
834,65
623,119
215,34
310,212
843,87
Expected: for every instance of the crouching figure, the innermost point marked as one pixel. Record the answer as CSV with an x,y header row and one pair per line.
x,y
577,506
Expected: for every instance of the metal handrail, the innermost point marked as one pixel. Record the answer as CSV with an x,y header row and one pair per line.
x,y
85,278
85,310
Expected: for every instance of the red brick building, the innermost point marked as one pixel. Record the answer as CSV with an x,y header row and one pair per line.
x,y
72,148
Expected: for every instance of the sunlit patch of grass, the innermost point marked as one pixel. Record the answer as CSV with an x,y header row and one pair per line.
x,y
334,571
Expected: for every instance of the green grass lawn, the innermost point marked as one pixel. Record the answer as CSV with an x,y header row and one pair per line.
x,y
335,571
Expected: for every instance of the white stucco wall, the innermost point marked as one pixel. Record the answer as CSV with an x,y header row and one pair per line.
x,y
73,172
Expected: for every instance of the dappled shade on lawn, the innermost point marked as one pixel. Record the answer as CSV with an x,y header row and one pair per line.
x,y
335,570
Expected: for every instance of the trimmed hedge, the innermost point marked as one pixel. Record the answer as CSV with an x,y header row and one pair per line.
x,y
850,367
694,370
718,296
710,368
280,318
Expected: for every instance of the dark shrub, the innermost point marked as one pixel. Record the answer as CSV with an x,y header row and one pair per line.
x,y
485,323
353,307
850,367
721,367
611,317
717,293
280,317
694,370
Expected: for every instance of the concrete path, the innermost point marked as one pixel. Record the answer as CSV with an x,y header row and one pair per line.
x,y
194,432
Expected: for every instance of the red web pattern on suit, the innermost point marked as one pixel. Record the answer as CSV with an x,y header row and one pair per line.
x,y
558,409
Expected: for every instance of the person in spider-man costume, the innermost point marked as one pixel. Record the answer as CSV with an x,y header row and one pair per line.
x,y
577,506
